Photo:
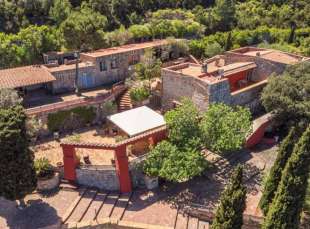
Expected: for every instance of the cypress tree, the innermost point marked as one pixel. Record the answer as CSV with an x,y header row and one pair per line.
x,y
274,178
17,173
287,205
229,214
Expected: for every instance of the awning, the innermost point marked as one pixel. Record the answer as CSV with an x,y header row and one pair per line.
x,y
137,121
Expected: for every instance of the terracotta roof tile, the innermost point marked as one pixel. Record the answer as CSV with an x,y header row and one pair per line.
x,y
24,76
125,48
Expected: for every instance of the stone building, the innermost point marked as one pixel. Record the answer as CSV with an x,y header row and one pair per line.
x,y
235,78
97,68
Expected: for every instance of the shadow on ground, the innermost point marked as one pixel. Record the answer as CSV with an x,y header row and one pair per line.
x,y
37,214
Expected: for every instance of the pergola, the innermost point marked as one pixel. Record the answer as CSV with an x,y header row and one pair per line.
x,y
152,135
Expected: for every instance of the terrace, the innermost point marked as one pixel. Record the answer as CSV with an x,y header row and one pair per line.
x,y
270,54
214,71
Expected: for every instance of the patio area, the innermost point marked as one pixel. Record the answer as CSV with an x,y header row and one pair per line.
x,y
163,207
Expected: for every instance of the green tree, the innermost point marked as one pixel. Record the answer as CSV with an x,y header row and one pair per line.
x,y
224,128
183,123
229,213
287,204
184,163
274,177
84,29
224,13
60,10
17,173
288,95
148,68
155,159
213,49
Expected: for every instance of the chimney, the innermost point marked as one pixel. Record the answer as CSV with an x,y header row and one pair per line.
x,y
204,67
220,71
258,54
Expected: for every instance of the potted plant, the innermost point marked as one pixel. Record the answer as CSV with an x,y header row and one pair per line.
x,y
48,179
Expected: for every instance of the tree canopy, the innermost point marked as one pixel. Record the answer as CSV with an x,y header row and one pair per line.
x,y
288,95
92,24
17,173
225,128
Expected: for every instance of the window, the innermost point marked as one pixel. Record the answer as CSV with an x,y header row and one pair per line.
x,y
103,66
114,63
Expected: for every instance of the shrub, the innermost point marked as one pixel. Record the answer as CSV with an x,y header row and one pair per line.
x,y
9,98
57,121
43,168
139,94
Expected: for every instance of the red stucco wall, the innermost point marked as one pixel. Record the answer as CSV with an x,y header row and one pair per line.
x,y
234,78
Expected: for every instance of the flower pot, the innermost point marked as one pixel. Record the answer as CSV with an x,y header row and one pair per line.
x,y
48,184
151,182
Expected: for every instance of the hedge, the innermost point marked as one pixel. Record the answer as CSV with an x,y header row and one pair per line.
x,y
56,121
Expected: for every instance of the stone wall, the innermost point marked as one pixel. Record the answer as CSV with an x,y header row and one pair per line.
x,y
175,85
264,67
219,92
249,97
101,177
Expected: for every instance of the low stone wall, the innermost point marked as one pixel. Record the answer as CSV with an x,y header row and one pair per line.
x,y
101,177
249,96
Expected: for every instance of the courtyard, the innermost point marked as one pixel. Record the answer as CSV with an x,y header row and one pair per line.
x,y
166,206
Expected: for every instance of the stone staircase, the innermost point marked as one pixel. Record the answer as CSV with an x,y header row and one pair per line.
x,y
93,205
124,102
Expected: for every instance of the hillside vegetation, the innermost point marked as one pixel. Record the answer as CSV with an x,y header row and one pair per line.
x,y
28,28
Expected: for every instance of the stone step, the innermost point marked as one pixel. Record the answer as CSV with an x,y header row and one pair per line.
x,y
82,206
120,206
95,207
108,206
203,225
181,221
192,223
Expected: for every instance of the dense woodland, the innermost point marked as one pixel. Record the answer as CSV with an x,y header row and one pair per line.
x,y
30,27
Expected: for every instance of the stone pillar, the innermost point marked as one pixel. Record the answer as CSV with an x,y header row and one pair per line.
x,y
122,169
70,162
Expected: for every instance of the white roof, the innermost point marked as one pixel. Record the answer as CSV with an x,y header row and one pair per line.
x,y
137,121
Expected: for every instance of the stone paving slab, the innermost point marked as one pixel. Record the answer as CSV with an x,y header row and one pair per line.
x,y
147,207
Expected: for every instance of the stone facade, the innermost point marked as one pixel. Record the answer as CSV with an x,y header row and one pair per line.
x,y
101,177
176,85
